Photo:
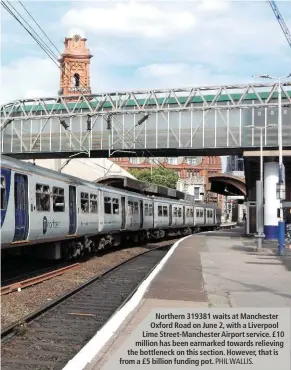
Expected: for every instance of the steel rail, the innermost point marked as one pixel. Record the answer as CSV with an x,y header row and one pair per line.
x,y
36,279
30,317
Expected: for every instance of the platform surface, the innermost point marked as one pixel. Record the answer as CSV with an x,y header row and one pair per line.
x,y
213,269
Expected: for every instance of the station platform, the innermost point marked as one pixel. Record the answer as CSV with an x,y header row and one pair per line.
x,y
212,269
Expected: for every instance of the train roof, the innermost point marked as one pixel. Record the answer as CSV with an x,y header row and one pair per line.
x,y
38,170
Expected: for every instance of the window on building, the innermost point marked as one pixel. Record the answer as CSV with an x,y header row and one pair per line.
x,y
165,211
146,209
107,205
93,203
77,79
43,198
160,211
84,202
135,160
173,160
196,192
115,206
191,161
58,199
153,160
3,193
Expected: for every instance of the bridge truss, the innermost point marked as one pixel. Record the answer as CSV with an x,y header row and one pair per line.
x,y
164,121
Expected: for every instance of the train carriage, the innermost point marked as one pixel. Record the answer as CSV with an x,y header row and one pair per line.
x,y
41,206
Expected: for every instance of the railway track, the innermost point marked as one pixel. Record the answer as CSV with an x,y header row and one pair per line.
x,y
50,337
15,271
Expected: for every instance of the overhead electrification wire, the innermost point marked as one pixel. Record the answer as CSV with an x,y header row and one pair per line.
x,y
43,47
51,42
38,39
50,53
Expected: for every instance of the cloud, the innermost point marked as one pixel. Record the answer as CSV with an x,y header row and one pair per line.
x,y
131,19
29,78
167,75
138,45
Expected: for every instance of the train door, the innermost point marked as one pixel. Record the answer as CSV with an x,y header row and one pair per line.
x,y
141,214
21,207
72,210
123,213
184,215
170,216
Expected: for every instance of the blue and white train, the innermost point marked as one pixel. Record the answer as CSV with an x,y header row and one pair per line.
x,y
67,216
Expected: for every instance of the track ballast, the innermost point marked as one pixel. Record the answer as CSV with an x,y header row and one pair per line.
x,y
54,335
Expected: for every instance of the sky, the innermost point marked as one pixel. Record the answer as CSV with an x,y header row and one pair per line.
x,y
143,44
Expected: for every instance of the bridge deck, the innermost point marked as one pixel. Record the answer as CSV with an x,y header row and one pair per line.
x,y
189,121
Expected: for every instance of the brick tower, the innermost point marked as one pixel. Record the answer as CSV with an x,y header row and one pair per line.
x,y
75,67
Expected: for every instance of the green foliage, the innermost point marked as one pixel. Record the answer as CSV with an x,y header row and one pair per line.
x,y
159,176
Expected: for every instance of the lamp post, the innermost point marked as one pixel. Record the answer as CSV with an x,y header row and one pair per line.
x,y
281,226
261,128
260,189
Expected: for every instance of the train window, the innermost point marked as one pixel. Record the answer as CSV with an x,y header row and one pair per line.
x,y
130,208
146,209
179,212
107,205
93,203
187,212
197,213
160,211
84,202
175,212
115,206
191,212
201,212
22,196
150,209
58,199
135,208
43,198
165,211
3,193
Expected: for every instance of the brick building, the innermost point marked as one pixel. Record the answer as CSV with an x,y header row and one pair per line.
x,y
189,169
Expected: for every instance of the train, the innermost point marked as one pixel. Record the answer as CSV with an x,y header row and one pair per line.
x,y
66,217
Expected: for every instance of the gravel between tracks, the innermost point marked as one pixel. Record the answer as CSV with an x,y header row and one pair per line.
x,y
16,305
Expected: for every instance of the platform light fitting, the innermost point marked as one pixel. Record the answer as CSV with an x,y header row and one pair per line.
x,y
64,124
139,122
89,123
109,122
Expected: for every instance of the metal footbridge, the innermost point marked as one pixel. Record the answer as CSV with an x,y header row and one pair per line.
x,y
188,121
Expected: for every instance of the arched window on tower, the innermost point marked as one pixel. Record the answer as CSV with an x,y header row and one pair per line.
x,y
77,79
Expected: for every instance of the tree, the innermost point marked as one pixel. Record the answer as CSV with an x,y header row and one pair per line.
x,y
158,176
